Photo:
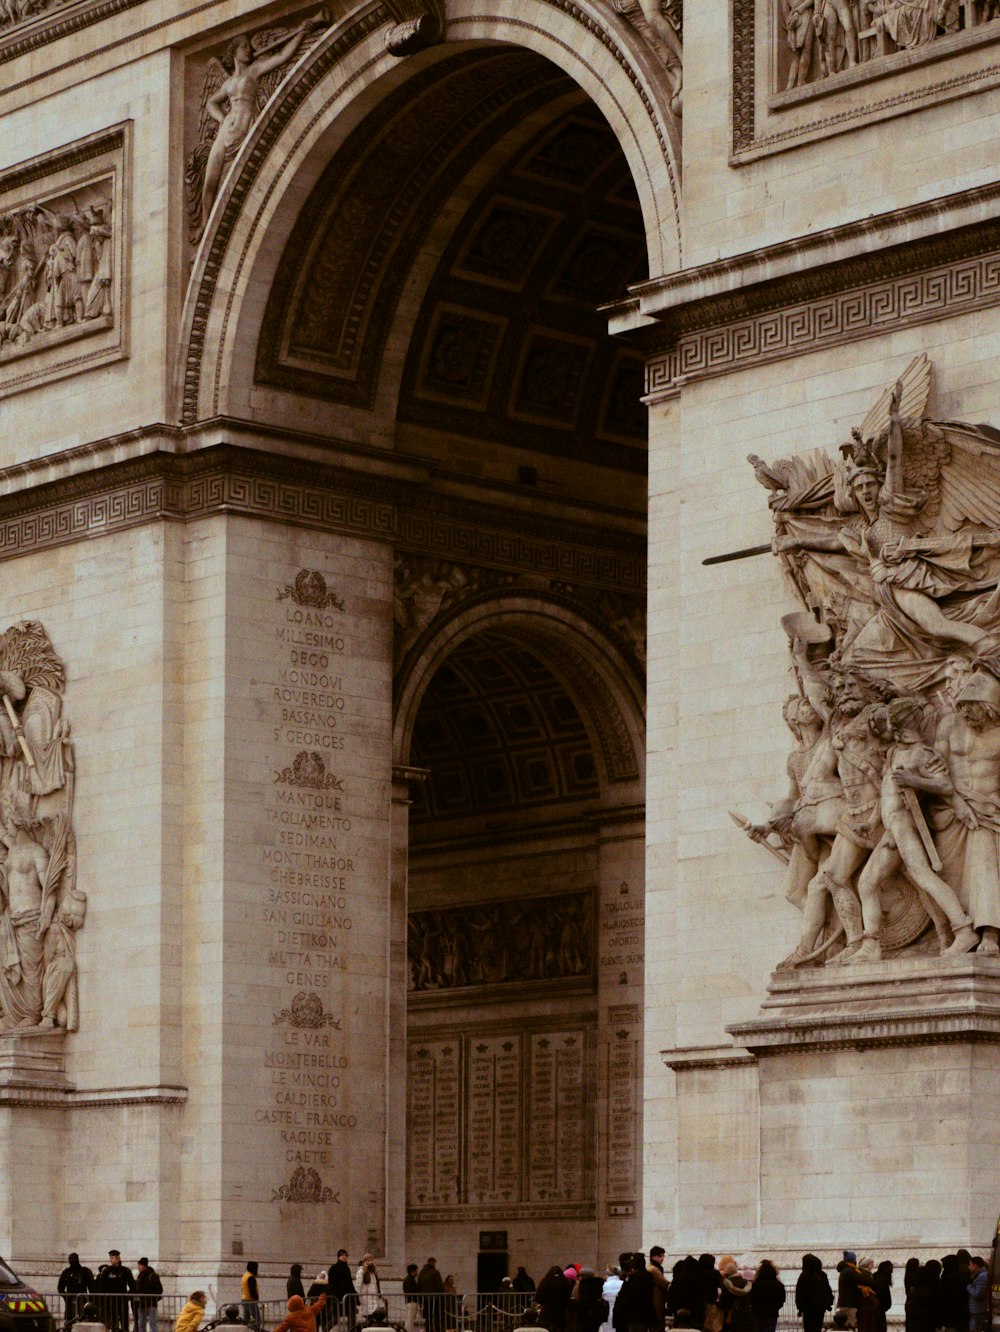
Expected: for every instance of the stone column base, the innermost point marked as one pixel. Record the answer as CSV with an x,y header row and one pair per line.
x,y
32,1059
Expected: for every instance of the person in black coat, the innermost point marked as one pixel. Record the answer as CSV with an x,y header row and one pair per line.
x,y
294,1286
923,1303
954,1296
343,1296
767,1296
882,1284
686,1296
116,1283
592,1308
711,1282
77,1280
910,1274
813,1293
552,1297
523,1282
634,1307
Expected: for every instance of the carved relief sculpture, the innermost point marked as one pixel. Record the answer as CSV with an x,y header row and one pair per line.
x,y
823,37
891,824
56,269
234,93
41,908
661,23
532,939
16,11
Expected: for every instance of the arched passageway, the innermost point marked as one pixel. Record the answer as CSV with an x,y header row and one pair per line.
x,y
415,283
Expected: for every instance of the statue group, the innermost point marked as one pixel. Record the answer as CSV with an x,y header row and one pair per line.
x,y
516,940
824,37
56,264
891,825
41,907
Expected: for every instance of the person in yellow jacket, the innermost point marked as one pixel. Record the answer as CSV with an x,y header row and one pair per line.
x,y
250,1297
189,1318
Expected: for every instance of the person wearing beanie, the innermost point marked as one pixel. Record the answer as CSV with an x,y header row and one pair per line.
x,y
368,1286
321,1286
734,1299
76,1280
148,1289
250,1296
849,1280
189,1318
301,1317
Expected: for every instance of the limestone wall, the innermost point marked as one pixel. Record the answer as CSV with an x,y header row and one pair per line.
x,y
720,904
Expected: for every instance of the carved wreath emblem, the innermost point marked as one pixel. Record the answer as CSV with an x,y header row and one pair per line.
x,y
309,589
305,1186
307,1011
309,769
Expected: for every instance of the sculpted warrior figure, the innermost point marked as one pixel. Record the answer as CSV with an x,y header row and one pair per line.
x,y
911,767
969,740
234,95
838,34
807,818
907,583
799,17
894,553
64,302
860,756
55,267
40,905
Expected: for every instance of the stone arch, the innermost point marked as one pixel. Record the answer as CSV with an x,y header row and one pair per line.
x,y
597,674
329,94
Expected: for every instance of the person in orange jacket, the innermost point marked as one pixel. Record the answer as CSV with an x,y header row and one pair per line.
x,y
301,1317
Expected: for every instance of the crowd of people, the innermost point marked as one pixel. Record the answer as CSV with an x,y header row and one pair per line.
x,y
113,1281
635,1295
639,1296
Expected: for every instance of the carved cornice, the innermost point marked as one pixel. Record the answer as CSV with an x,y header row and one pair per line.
x,y
30,35
933,1026
801,296
222,478
47,1098
687,1059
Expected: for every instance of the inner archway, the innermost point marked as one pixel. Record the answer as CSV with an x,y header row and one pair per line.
x,y
425,322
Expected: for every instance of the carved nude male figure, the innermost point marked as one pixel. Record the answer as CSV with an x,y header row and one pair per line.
x,y
808,816
911,766
234,106
860,757
969,740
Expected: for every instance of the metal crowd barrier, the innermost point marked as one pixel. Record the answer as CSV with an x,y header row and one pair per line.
x,y
474,1312
471,1312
